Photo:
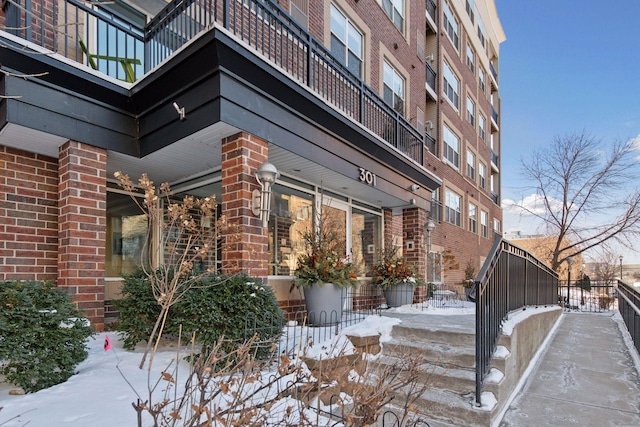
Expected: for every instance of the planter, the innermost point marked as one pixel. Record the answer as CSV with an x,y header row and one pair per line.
x,y
399,295
324,304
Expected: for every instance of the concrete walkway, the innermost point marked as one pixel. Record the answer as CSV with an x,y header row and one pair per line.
x,y
585,377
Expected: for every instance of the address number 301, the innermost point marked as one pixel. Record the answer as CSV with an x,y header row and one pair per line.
x,y
367,177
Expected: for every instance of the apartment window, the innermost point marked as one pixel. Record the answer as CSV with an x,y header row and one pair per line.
x,y
471,59
393,88
471,165
453,205
395,11
496,225
482,80
127,239
473,218
484,224
346,42
470,7
482,127
482,175
451,25
451,86
481,32
471,111
451,147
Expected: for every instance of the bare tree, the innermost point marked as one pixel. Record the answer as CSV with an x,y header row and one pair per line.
x,y
606,269
583,185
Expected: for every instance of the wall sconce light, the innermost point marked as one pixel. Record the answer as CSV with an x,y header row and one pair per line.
x,y
180,110
266,175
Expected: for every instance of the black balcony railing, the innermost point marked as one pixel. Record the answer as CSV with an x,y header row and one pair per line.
x,y
122,50
494,158
430,143
511,278
494,73
431,77
494,115
629,308
431,9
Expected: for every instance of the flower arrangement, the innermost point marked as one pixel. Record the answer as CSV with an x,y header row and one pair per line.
x,y
323,260
393,269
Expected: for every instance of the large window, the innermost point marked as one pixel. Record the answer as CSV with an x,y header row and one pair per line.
x,y
366,238
393,88
471,59
482,80
471,165
127,234
470,7
481,32
453,208
473,218
451,147
471,111
346,42
482,175
484,224
451,25
451,86
482,127
395,11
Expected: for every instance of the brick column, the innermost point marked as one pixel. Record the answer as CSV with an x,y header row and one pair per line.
x,y
248,249
82,203
413,229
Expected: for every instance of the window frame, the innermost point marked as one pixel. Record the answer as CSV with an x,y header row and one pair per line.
x,y
348,25
471,111
473,218
482,127
452,213
396,76
471,59
390,9
482,179
452,94
484,223
450,154
451,25
471,166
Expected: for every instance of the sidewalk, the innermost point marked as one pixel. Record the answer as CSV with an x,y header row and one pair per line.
x,y
585,377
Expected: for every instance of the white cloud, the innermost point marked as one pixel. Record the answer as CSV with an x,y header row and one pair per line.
x,y
529,205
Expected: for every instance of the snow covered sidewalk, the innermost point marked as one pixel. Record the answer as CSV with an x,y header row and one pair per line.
x,y
587,376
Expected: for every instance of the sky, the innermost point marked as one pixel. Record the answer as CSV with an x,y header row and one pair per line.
x,y
566,66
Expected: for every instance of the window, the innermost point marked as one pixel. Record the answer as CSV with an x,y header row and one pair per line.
x,y
346,42
482,80
366,238
482,175
471,112
453,205
481,32
451,86
482,127
470,7
451,25
395,11
126,235
484,220
393,88
471,165
471,59
451,147
473,218
496,225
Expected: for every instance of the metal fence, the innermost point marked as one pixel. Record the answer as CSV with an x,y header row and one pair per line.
x,y
629,307
510,278
587,296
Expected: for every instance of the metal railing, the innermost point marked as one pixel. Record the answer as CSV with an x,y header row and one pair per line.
x,y
431,9
88,33
629,308
511,278
436,211
126,51
431,77
430,143
587,295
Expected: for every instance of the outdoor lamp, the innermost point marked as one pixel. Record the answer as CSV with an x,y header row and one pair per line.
x,y
266,175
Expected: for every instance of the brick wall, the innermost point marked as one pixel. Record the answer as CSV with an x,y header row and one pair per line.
x,y
82,227
28,216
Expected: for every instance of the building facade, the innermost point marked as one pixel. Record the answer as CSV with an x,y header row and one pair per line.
x,y
384,113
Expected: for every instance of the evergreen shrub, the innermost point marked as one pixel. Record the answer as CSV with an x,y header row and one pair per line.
x,y
215,306
42,334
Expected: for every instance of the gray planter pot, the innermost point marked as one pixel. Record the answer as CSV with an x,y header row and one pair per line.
x,y
399,295
324,304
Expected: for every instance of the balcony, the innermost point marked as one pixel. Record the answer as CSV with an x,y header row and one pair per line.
x,y
494,77
430,143
496,198
431,15
494,120
494,162
110,43
435,213
431,83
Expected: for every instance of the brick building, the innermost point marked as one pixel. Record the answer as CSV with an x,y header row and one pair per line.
x,y
389,107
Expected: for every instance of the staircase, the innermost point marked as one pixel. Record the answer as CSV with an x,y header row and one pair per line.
x,y
446,347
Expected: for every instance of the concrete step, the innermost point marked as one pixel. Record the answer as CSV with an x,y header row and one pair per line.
x,y
435,353
462,337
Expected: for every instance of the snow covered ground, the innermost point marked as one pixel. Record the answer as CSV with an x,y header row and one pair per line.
x,y
98,394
